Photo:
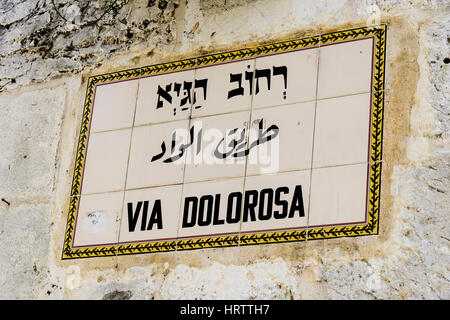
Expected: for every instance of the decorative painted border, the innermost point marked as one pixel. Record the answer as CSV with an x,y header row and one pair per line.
x,y
374,184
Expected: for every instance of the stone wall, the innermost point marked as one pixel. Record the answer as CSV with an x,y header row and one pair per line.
x,y
45,59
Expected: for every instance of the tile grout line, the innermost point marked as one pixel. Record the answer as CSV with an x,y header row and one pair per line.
x,y
180,207
233,177
247,142
313,138
128,163
241,110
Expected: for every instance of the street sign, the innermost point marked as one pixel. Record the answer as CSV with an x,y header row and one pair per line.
x,y
269,144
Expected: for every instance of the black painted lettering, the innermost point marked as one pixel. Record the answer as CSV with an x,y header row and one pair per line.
x,y
156,216
235,197
297,203
250,205
164,94
263,73
216,219
204,218
133,217
144,216
239,91
186,222
283,203
262,213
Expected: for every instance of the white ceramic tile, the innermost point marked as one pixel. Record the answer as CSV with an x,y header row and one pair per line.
x,y
338,195
220,96
151,214
299,84
211,208
217,135
345,68
276,201
114,105
291,148
106,161
151,153
178,85
342,130
98,219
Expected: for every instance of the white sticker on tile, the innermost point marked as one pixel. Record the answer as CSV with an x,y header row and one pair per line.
x,y
98,219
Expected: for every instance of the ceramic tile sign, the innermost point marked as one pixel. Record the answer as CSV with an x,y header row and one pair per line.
x,y
268,144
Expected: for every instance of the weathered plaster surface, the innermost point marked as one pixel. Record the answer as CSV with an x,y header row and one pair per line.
x,y
44,62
